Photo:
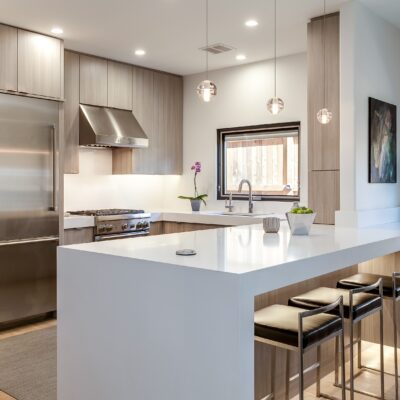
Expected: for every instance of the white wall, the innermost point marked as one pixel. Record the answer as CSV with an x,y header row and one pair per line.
x,y
242,95
95,186
370,65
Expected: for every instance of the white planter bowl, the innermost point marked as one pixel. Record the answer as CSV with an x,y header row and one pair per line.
x,y
300,224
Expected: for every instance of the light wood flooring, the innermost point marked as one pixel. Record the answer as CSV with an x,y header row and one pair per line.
x,y
367,381
20,331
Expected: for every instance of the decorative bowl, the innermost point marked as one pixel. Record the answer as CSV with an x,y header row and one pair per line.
x,y
271,224
300,224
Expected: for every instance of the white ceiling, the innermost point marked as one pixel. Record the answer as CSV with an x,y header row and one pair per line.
x,y
388,9
171,31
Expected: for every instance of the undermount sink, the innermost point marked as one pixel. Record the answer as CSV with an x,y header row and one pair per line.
x,y
241,214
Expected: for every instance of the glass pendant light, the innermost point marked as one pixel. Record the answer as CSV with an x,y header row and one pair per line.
x,y
324,116
275,105
206,89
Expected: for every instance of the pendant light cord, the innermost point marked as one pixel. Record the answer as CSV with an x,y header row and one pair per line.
x,y
275,45
207,39
324,51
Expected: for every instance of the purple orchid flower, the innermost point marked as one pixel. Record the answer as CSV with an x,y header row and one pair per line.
x,y
196,167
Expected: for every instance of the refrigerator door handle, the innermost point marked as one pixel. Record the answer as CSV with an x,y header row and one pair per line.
x,y
54,206
29,241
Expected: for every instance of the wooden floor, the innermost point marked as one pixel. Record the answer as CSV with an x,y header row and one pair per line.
x,y
20,331
367,381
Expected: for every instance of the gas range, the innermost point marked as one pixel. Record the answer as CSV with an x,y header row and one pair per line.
x,y
118,223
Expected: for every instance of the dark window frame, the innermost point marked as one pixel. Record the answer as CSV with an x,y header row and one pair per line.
x,y
223,132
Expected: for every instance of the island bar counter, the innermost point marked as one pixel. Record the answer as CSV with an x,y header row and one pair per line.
x,y
136,321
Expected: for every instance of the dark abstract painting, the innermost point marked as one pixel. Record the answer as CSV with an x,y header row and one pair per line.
x,y
382,142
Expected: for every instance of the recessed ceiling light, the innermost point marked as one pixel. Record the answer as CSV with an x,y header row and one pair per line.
x,y
240,57
251,23
57,31
140,52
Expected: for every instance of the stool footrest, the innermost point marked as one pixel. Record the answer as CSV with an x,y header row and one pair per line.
x,y
305,371
375,370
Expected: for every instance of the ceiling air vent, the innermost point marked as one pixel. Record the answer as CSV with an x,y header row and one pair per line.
x,y
217,48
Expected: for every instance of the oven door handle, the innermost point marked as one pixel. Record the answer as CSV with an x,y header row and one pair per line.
x,y
100,238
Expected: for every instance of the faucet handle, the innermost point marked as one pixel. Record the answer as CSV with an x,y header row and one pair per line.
x,y
229,203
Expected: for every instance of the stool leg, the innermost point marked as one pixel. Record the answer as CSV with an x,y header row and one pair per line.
x,y
336,360
359,350
301,375
396,368
287,389
343,362
318,385
273,358
351,360
382,354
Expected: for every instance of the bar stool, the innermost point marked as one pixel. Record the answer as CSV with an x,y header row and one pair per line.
x,y
358,304
299,330
391,290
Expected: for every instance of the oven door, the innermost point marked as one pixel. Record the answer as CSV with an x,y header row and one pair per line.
x,y
100,238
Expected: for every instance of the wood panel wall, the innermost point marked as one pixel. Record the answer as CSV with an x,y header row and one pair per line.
x,y
323,140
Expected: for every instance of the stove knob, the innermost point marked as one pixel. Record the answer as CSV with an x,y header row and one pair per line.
x,y
101,229
139,225
125,227
145,224
109,228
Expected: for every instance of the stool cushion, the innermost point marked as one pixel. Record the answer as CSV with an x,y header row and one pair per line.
x,y
360,280
363,303
280,323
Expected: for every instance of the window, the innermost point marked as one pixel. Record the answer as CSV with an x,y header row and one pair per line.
x,y
266,155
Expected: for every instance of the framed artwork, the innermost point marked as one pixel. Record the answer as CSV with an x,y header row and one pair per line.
x,y
382,142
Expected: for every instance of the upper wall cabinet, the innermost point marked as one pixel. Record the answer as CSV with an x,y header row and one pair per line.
x,y
323,139
158,107
71,113
40,64
8,58
93,81
119,85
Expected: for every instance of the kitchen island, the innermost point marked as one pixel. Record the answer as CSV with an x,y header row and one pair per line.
x,y
136,321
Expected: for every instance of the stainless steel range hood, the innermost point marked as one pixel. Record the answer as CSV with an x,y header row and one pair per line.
x,y
102,126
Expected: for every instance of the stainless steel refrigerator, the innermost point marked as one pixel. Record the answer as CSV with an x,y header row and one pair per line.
x,y
29,216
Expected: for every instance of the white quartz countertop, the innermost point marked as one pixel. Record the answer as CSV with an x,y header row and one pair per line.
x,y
244,249
78,221
201,217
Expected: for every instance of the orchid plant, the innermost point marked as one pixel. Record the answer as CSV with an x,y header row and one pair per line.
x,y
196,167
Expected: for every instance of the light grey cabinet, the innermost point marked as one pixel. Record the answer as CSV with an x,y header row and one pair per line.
x,y
40,66
8,58
93,80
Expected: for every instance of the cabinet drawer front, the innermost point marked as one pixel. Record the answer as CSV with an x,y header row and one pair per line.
x,y
39,64
78,235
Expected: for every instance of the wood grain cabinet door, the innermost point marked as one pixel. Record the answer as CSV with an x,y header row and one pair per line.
x,y
93,81
71,113
157,104
8,58
119,85
78,236
39,64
